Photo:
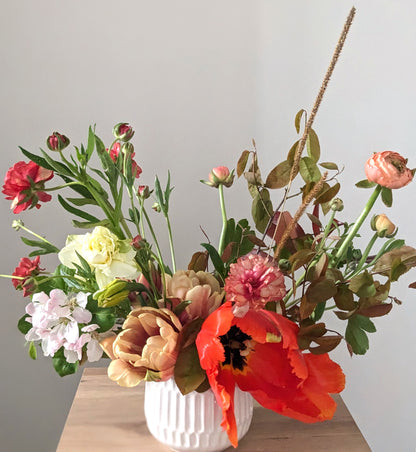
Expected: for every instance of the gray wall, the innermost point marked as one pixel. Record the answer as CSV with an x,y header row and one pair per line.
x,y
198,80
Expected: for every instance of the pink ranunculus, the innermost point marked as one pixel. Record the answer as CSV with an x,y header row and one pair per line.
x,y
114,153
253,281
24,184
221,176
26,269
388,169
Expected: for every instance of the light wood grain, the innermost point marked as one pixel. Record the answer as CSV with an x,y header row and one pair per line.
x,y
105,417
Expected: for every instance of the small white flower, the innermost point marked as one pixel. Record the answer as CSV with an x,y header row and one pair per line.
x,y
56,323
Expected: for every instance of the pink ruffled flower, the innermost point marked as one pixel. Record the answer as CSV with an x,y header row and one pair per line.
x,y
253,281
388,169
24,184
26,269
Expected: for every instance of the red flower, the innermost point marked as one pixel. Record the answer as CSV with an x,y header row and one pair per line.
x,y
114,153
259,352
26,269
24,184
388,169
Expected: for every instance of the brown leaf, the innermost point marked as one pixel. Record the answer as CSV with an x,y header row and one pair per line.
x,y
406,254
199,261
279,176
326,344
377,310
242,162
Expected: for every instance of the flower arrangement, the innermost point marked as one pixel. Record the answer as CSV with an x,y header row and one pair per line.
x,y
247,312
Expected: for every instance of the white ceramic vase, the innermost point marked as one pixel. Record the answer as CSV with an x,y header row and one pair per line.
x,y
192,422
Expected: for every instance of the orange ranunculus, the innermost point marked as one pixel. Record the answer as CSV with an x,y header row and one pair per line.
x,y
200,288
145,349
259,352
388,169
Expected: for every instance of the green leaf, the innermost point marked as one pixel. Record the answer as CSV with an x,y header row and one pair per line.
x,y
45,247
387,196
58,167
82,201
363,285
91,143
319,311
75,211
292,151
215,258
23,325
36,159
309,170
365,184
355,333
390,260
62,366
262,209
242,162
188,372
32,350
89,224
312,145
105,318
298,119
329,166
279,176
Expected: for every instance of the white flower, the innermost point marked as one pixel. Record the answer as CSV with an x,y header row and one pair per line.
x,y
105,252
55,322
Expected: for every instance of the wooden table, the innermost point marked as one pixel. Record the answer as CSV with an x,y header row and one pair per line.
x,y
105,417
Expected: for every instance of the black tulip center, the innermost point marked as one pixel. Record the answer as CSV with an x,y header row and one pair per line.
x,y
234,343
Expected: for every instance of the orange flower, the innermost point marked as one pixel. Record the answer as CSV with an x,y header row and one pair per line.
x,y
259,352
200,288
388,169
146,347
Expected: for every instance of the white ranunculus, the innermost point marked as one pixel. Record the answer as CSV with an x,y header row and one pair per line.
x,y
105,252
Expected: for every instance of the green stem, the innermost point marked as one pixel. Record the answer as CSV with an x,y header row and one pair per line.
x,y
19,225
149,224
290,292
172,251
327,230
224,220
366,252
370,203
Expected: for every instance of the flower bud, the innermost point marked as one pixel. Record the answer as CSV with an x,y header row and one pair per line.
x,y
383,226
156,207
220,176
112,294
337,205
57,142
17,224
143,191
137,242
127,149
122,131
284,265
356,254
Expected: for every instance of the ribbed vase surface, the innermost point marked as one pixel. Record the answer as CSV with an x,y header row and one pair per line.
x,y
192,422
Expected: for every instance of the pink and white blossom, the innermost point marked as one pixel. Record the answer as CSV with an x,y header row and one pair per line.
x,y
56,321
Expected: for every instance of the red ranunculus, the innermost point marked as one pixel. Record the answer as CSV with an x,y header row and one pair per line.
x,y
26,269
259,352
114,153
388,169
24,184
